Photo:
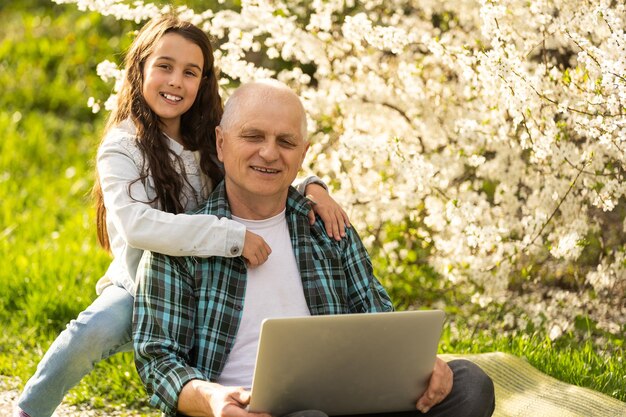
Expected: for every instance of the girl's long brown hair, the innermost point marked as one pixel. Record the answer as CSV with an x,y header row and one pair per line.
x,y
197,124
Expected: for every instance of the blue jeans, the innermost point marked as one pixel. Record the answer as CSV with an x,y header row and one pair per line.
x,y
100,331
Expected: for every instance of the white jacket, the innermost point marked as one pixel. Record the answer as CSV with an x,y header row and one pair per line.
x,y
135,225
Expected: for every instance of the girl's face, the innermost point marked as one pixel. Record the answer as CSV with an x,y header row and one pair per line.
x,y
171,79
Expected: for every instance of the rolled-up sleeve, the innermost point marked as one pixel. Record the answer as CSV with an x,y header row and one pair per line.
x,y
311,179
163,329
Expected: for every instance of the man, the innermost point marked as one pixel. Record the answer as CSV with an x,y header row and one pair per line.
x,y
197,321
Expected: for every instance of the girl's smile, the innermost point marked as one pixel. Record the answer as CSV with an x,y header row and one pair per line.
x,y
171,97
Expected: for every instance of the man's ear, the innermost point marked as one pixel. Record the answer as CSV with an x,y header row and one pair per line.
x,y
219,142
306,148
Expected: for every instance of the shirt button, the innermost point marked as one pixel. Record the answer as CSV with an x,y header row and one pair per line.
x,y
238,307
234,250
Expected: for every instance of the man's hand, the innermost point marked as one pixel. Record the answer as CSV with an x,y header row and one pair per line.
x,y
439,387
207,399
334,217
255,249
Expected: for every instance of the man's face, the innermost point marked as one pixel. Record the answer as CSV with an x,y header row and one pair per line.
x,y
263,148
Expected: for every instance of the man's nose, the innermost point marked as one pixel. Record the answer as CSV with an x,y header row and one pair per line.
x,y
269,150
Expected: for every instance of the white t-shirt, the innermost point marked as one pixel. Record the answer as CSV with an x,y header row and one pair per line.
x,y
274,289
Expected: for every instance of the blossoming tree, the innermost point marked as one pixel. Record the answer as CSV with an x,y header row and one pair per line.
x,y
496,127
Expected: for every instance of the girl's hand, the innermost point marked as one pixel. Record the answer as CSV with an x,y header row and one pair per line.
x,y
255,249
334,217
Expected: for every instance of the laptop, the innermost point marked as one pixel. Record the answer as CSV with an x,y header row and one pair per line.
x,y
345,364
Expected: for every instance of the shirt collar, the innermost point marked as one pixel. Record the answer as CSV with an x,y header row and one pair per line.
x,y
217,204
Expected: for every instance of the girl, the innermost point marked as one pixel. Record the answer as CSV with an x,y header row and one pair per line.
x,y
156,162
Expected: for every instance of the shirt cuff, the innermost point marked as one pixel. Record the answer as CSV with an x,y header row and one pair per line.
x,y
168,390
235,240
311,179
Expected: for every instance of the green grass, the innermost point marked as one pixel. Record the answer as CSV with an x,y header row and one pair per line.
x,y
48,55
51,261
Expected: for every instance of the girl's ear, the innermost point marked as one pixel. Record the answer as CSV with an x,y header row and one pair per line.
x,y
219,142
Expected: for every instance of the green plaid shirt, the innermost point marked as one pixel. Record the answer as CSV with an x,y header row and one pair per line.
x,y
187,309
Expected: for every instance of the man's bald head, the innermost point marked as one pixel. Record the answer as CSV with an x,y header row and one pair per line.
x,y
262,93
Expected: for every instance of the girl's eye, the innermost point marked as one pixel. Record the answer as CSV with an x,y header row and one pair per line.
x,y
191,74
164,66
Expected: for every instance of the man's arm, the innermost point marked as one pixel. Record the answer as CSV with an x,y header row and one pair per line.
x,y
163,329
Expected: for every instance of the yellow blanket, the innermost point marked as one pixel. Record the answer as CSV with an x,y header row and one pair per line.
x,y
523,391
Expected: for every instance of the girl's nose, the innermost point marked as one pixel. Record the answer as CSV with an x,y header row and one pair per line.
x,y
175,79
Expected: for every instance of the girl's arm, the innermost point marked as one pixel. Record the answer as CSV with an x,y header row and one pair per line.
x,y
142,226
334,217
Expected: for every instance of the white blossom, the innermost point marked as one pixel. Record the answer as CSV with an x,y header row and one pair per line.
x,y
505,126
567,247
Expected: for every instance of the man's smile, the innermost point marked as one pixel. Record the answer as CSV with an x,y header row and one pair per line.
x,y
265,170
